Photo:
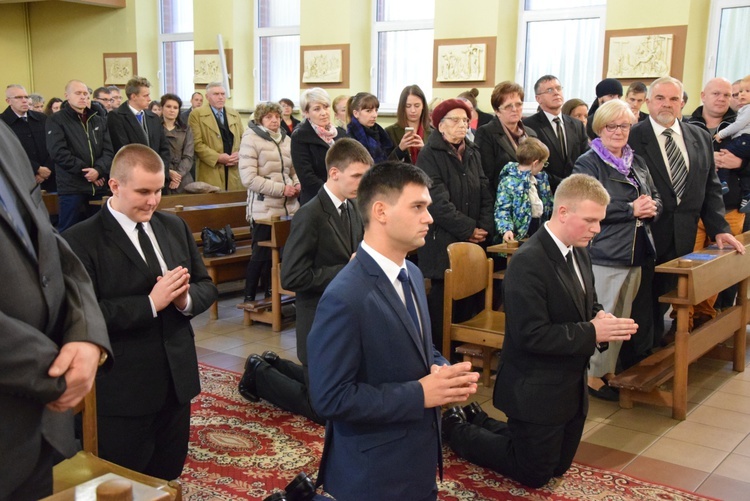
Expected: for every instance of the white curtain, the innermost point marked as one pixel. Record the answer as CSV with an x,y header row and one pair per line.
x,y
731,59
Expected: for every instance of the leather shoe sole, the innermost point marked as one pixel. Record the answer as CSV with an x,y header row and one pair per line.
x,y
605,393
247,387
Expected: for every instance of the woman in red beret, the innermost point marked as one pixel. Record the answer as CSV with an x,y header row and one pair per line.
x,y
461,204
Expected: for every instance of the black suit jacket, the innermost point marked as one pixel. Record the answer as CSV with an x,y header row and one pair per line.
x,y
314,253
47,300
674,232
152,353
549,338
496,150
575,138
32,135
124,129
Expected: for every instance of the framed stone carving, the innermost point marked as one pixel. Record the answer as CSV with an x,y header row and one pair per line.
x,y
119,67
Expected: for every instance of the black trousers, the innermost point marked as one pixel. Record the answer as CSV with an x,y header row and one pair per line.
x,y
285,384
527,452
154,444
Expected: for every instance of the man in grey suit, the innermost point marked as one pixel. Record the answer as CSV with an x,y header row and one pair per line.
x,y
53,334
681,161
321,242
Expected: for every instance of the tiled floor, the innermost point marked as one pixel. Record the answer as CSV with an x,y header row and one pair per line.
x,y
708,453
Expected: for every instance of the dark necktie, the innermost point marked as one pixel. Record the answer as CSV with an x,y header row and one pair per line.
x,y
677,167
346,222
410,306
9,205
572,267
25,118
148,250
561,137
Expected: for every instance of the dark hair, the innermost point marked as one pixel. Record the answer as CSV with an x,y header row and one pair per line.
x,y
543,79
361,101
572,104
134,86
387,180
152,104
287,101
173,97
50,103
345,152
471,96
503,90
99,91
637,88
412,90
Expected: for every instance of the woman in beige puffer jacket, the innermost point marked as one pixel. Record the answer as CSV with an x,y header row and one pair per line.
x,y
272,186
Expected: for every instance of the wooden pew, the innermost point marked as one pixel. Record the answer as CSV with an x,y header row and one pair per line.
x,y
51,202
221,269
192,199
269,310
700,275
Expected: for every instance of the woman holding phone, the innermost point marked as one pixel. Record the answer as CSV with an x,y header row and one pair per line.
x,y
412,127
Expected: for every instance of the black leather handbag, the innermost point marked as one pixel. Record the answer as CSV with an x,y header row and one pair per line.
x,y
218,242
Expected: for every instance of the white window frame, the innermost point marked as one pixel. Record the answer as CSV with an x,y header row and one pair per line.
x,y
567,13
269,32
383,26
165,38
714,27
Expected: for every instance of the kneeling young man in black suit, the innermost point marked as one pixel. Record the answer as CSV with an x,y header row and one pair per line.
x,y
553,324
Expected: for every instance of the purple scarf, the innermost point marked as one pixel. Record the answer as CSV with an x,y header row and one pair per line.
x,y
623,164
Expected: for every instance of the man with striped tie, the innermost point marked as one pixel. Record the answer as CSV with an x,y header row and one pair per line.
x,y
681,161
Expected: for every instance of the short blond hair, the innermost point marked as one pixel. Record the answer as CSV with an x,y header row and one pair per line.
x,y
609,112
314,95
579,188
135,155
264,109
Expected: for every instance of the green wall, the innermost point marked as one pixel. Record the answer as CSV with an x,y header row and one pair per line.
x,y
45,44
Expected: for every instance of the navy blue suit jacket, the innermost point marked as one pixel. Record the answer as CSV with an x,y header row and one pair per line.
x,y
366,358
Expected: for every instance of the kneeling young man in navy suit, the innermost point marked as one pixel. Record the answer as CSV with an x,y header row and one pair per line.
x,y
374,372
553,323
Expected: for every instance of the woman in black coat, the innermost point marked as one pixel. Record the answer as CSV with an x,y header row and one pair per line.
x,y
461,202
311,140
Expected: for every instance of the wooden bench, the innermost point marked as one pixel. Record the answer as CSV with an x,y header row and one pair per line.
x,y
700,275
52,203
193,199
269,310
221,269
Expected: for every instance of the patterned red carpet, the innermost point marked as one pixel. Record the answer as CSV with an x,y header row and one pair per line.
x,y
241,450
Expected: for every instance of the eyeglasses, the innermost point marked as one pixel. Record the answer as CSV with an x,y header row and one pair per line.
x,y
614,127
456,120
552,90
21,98
511,106
105,100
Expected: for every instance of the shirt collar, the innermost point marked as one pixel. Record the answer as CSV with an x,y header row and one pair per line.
x,y
551,117
216,111
658,128
564,249
127,224
135,112
390,268
336,201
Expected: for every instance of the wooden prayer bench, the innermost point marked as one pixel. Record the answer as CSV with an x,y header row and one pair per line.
x,y
221,269
51,202
700,275
268,310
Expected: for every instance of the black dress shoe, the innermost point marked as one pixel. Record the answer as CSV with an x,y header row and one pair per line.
x,y
277,496
247,386
301,488
452,417
472,411
605,393
271,357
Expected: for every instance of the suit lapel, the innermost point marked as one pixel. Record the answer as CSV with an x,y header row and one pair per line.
x,y
334,219
571,283
649,148
388,292
588,279
692,146
162,238
118,236
549,134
